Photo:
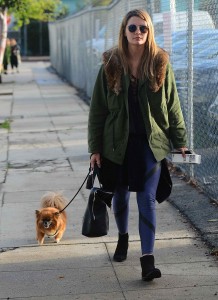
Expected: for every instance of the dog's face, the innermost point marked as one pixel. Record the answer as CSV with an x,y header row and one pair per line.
x,y
47,219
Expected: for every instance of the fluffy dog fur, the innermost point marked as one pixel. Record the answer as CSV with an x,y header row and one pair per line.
x,y
49,220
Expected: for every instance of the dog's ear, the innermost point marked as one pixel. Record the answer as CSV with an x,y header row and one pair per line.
x,y
37,212
57,214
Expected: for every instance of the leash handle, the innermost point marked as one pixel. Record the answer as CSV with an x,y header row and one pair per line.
x,y
76,192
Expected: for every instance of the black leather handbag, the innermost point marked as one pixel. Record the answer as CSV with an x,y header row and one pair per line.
x,y
96,219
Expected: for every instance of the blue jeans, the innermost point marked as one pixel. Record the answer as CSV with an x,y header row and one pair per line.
x,y
146,200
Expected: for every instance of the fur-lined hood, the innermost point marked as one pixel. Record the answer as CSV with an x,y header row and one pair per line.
x,y
114,70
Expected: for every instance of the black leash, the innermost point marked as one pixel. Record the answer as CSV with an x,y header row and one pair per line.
x,y
76,192
150,173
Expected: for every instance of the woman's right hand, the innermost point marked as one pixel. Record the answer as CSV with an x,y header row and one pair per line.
x,y
95,159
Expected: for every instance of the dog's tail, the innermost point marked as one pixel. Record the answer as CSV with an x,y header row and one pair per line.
x,y
53,199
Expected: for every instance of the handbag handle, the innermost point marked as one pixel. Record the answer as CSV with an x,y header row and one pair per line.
x,y
92,175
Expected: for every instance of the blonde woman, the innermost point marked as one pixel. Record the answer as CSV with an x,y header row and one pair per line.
x,y
15,55
135,120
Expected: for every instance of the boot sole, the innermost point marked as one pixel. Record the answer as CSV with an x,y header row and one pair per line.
x,y
152,275
119,258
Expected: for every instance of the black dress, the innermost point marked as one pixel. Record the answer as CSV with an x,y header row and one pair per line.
x,y
15,51
132,172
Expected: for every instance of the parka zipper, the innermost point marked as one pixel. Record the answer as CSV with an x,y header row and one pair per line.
x,y
113,138
113,132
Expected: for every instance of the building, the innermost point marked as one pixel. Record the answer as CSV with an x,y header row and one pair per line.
x,y
72,5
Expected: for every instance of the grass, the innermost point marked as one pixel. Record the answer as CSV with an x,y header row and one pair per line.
x,y
6,124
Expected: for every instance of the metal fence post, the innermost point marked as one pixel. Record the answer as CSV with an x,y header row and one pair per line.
x,y
190,79
150,8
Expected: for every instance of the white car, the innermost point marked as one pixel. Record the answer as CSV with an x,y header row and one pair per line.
x,y
213,121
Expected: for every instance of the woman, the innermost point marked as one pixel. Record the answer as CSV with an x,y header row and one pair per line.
x,y
7,56
135,120
15,55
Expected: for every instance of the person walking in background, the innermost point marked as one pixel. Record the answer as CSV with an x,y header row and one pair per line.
x,y
135,120
15,55
7,56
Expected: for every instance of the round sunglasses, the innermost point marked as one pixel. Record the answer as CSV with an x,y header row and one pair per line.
x,y
143,28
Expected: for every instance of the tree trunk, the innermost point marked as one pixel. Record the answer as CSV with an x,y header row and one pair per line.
x,y
3,37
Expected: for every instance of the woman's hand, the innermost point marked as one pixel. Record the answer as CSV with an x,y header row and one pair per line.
x,y
182,149
95,159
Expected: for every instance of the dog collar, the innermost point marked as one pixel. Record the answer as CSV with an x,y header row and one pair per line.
x,y
52,235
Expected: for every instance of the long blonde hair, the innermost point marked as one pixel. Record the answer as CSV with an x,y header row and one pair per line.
x,y
146,67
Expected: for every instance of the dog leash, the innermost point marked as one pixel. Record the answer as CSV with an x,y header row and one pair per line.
x,y
76,192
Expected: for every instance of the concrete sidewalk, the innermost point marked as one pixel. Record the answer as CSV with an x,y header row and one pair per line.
x,y
46,149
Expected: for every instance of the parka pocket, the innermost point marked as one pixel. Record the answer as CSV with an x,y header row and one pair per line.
x,y
114,101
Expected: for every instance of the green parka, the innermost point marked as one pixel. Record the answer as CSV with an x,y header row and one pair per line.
x,y
7,55
108,125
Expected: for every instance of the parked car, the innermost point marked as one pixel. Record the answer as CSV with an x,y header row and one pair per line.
x,y
205,65
99,44
212,117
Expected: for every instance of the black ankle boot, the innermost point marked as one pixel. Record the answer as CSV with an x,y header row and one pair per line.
x,y
122,247
149,272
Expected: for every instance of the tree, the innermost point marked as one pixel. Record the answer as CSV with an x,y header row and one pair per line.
x,y
25,10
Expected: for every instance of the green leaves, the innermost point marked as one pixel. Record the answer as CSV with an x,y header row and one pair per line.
x,y
6,124
16,4
24,10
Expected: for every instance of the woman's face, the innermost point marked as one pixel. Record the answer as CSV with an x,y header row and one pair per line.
x,y
136,31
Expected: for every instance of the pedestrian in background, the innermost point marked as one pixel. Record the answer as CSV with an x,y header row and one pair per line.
x,y
15,55
135,120
7,56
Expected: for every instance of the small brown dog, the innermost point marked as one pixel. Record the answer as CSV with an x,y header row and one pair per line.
x,y
49,220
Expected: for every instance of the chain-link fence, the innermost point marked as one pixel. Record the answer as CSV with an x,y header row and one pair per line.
x,y
188,30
